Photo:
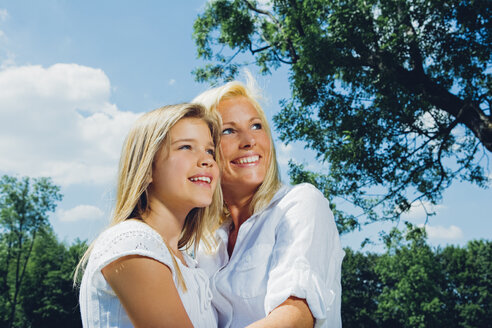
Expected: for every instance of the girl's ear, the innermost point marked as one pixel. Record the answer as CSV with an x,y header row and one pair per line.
x,y
149,176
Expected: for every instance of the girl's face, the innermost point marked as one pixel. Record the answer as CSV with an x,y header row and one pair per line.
x,y
185,175
245,145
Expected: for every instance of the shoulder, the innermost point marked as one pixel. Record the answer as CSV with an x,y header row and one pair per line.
x,y
127,232
306,189
129,237
303,193
303,204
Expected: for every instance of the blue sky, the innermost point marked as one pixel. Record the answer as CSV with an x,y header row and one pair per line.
x,y
74,75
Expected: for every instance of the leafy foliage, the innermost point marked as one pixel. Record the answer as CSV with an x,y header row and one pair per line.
x,y
393,96
52,267
468,283
36,271
414,285
360,285
24,207
412,295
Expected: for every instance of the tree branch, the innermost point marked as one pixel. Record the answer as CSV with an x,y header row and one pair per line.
x,y
467,113
253,51
292,51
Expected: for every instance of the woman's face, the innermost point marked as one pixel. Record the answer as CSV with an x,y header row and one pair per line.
x,y
245,146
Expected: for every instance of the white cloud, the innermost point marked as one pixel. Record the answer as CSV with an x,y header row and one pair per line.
x,y
265,5
3,14
172,82
426,121
7,60
262,4
58,122
283,153
447,233
80,212
418,210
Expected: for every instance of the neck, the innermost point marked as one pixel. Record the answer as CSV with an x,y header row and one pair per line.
x,y
239,207
166,221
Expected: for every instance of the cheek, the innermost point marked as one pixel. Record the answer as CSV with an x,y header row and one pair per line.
x,y
266,145
216,172
225,148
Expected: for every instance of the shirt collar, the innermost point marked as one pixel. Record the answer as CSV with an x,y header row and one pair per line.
x,y
223,230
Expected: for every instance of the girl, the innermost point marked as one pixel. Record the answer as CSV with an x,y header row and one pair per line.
x,y
136,273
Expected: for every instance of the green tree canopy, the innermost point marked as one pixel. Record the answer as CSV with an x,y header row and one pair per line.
x,y
24,207
413,282
468,283
49,299
414,285
393,96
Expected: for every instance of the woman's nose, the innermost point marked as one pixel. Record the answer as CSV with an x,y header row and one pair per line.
x,y
247,140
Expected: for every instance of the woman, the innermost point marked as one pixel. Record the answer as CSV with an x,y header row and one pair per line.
x,y
278,258
137,274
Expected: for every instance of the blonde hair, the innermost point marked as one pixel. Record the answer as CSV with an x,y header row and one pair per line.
x,y
211,99
148,134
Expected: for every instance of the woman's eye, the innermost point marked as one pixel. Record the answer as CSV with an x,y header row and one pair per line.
x,y
185,147
227,131
257,126
211,152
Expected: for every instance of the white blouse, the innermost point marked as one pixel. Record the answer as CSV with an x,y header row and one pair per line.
x,y
99,305
291,248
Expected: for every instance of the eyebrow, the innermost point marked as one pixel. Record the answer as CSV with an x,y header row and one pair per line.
x,y
211,144
234,123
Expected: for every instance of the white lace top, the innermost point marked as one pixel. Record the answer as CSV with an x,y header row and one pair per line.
x,y
99,305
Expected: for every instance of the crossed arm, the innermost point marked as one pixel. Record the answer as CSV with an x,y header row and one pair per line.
x,y
294,312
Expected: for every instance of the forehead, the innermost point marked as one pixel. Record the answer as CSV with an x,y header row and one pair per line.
x,y
190,128
237,109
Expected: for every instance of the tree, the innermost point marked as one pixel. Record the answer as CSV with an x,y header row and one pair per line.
x,y
49,299
24,207
413,283
360,288
469,287
393,95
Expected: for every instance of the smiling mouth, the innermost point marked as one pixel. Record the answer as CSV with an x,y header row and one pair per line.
x,y
247,160
200,179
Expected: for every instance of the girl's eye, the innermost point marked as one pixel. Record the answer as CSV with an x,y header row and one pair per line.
x,y
227,131
211,152
257,126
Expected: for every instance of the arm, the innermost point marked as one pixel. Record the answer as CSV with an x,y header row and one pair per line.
x,y
294,312
306,258
146,289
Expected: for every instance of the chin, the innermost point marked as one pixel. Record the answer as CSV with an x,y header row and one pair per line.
x,y
203,203
252,181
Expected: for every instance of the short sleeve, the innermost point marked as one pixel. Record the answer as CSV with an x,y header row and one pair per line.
x,y
307,256
128,238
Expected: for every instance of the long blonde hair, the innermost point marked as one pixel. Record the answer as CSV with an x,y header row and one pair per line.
x,y
211,99
146,137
